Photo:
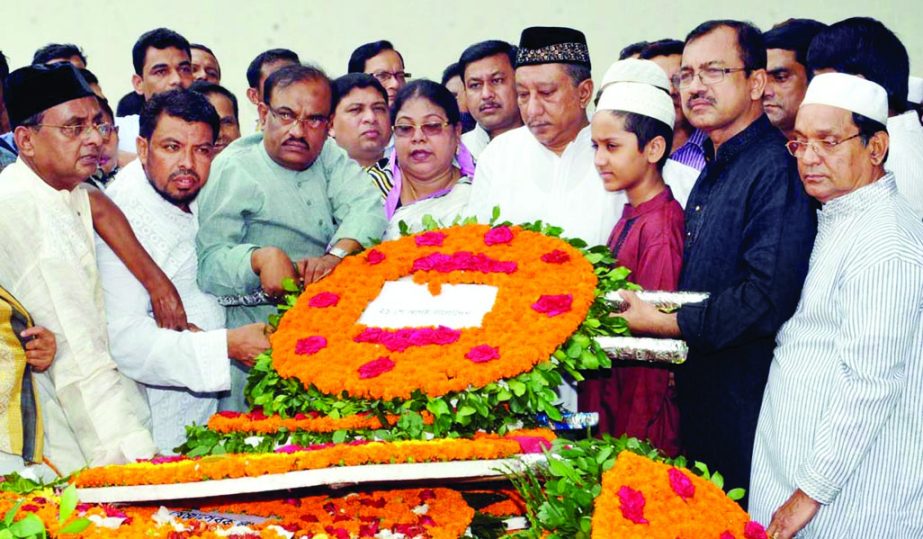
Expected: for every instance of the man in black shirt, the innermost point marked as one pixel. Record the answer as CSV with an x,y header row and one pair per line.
x,y
749,232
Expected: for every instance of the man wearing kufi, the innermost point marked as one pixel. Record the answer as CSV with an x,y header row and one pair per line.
x,y
841,428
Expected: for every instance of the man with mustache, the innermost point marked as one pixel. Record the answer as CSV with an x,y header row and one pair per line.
x,y
283,203
544,170
92,414
225,104
749,231
487,73
180,373
786,70
361,125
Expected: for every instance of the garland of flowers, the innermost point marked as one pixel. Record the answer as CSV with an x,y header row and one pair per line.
x,y
642,498
256,422
502,400
291,458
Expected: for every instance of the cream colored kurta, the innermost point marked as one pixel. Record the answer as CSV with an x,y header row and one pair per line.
x,y
92,414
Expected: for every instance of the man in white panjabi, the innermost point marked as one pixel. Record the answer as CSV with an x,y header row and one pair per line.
x,y
181,372
544,170
92,415
841,426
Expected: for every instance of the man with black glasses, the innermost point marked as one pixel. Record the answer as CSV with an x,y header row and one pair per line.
x,y
380,60
749,231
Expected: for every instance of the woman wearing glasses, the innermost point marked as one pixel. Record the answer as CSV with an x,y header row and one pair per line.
x,y
432,170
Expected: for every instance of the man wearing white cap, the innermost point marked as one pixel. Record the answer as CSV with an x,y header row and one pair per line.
x,y
841,424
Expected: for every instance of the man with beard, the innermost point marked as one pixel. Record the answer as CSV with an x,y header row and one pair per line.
x,y
181,373
749,231
487,73
225,104
283,203
786,72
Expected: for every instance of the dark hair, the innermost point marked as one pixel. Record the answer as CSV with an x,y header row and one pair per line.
x,y
58,51
662,47
267,57
793,35
88,76
485,49
159,38
451,71
647,129
435,93
34,120
867,129
130,104
750,43
208,88
577,72
289,75
864,46
183,104
363,53
104,105
341,86
4,67
631,50
201,47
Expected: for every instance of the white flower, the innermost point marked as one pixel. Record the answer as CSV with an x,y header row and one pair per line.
x,y
253,441
106,522
281,531
421,509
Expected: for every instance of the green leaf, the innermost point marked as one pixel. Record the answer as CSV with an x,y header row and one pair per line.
x,y
718,480
67,504
736,494
465,410
429,223
11,514
494,214
518,388
289,285
5,534
27,527
403,228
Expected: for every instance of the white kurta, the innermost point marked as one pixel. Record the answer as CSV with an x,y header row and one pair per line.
x,y
129,126
905,157
842,414
181,372
476,140
530,182
444,209
92,414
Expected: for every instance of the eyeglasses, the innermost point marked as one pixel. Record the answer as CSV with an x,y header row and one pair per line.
x,y
82,130
313,121
708,76
431,129
386,76
822,148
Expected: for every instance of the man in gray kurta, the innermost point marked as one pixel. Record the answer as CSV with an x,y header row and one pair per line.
x,y
282,203
841,427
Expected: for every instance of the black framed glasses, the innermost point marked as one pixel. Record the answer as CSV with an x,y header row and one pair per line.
x,y
708,76
430,129
288,118
386,76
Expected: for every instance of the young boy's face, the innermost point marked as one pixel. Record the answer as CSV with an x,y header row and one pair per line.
x,y
619,161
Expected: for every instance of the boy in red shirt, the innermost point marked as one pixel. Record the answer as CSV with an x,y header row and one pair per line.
x,y
632,134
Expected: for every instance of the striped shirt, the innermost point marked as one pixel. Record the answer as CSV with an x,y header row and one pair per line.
x,y
692,153
381,176
842,415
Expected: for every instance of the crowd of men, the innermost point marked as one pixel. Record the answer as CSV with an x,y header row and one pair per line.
x,y
781,172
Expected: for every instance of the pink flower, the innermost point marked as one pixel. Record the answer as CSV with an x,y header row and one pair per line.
x,y
375,257
167,459
29,507
427,494
257,413
229,413
462,261
556,257
310,345
631,503
754,530
375,368
483,353
498,235
726,535
553,305
369,529
531,444
324,300
681,484
402,339
426,520
289,449
430,239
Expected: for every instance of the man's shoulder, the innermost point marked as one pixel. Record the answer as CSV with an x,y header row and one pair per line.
x,y
237,162
14,185
501,145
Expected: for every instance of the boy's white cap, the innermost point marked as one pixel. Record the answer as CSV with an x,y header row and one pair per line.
x,y
849,92
635,70
915,90
639,98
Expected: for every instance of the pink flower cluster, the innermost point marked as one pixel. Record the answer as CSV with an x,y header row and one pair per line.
x,y
556,256
310,345
323,300
402,339
375,257
483,353
462,261
498,235
375,368
681,484
553,305
430,239
531,444
631,503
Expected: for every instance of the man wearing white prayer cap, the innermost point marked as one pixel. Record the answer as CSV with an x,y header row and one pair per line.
x,y
841,422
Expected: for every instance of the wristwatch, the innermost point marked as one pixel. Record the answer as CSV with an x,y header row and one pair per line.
x,y
338,252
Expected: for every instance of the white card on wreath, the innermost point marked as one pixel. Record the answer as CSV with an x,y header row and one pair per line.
x,y
404,303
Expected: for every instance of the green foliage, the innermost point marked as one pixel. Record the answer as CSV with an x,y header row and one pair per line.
x,y
31,526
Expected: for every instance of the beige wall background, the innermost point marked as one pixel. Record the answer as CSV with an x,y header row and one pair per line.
x,y
430,34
